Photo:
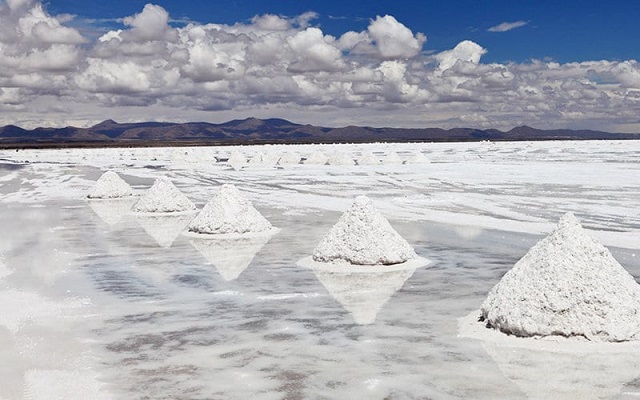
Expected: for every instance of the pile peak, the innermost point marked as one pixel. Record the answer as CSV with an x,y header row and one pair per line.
x,y
228,212
362,236
569,285
110,186
163,197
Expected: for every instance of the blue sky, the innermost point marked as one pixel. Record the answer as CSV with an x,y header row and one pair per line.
x,y
564,31
459,63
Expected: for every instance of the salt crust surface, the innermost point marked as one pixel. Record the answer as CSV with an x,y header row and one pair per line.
x,y
110,186
362,236
163,197
229,213
567,285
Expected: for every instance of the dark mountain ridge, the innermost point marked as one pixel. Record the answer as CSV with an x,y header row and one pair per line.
x,y
272,130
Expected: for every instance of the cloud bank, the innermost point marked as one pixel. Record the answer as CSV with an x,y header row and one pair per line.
x,y
50,74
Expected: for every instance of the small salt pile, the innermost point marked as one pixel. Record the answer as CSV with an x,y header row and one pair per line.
x,y
363,236
229,213
568,285
340,158
110,186
289,158
368,159
237,160
418,158
163,197
392,158
318,158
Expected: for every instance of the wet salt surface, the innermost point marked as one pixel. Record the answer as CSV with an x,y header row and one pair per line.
x,y
145,321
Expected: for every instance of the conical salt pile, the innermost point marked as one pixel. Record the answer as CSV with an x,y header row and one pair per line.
x,y
392,158
163,197
110,186
568,285
368,159
363,236
316,158
237,160
418,158
340,158
229,213
289,158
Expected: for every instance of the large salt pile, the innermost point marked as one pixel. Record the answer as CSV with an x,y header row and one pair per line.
x,y
363,236
163,197
110,186
229,213
568,285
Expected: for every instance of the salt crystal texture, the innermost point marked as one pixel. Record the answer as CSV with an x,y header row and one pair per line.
x,y
362,236
569,285
163,197
110,186
229,213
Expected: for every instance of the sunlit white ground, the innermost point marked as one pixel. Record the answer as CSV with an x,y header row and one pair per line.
x,y
98,303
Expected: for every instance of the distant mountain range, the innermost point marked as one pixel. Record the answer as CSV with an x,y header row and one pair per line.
x,y
273,130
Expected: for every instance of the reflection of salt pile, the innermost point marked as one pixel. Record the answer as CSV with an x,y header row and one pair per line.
x,y
230,257
112,211
163,197
229,213
110,186
363,236
164,229
566,285
4,270
565,374
363,293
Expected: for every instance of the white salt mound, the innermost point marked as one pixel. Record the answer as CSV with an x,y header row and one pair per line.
x,y
237,160
362,236
368,159
392,158
229,213
340,158
163,197
290,158
110,186
569,285
418,158
318,158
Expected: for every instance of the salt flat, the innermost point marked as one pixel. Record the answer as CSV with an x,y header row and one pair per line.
x,y
100,303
